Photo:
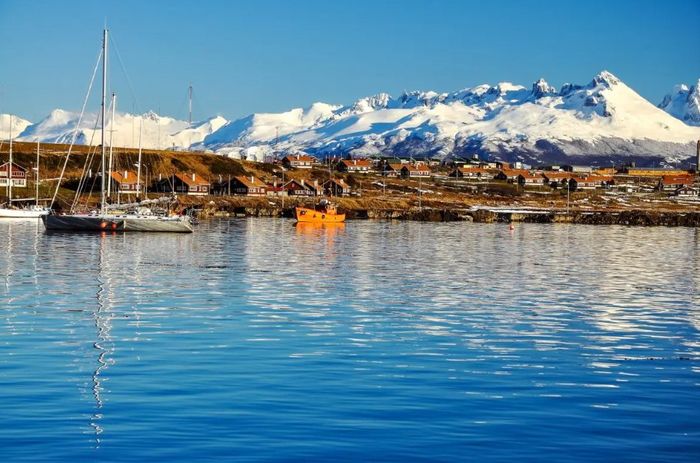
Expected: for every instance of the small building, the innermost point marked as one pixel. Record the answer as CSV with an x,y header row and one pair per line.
x,y
602,181
550,168
469,172
125,182
686,192
556,179
354,165
189,184
275,190
18,174
577,169
298,161
392,170
510,175
531,179
652,171
415,171
673,182
302,188
604,171
487,164
581,183
336,187
456,161
247,186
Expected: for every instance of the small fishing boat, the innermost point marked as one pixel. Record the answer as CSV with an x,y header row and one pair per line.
x,y
324,212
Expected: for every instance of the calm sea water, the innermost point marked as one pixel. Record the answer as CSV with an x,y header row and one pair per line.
x,y
254,340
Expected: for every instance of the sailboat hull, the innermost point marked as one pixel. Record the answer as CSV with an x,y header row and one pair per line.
x,y
23,213
94,223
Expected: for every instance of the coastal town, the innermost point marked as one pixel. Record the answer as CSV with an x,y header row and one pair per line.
x,y
382,187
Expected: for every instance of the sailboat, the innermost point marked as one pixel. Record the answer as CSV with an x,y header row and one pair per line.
x,y
28,212
107,218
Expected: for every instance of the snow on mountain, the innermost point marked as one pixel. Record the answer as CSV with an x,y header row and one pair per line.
x,y
18,126
684,103
602,121
267,127
155,131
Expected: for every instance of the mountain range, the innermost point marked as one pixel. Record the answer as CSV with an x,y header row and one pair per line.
x,y
601,122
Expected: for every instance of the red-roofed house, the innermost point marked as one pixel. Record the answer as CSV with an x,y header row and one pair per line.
x,y
392,170
302,188
529,179
354,165
336,187
470,172
298,161
19,175
247,186
415,171
673,182
190,184
124,182
511,175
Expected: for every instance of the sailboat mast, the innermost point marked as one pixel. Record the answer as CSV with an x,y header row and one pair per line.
x,y
189,93
36,194
10,169
138,171
189,120
111,137
104,112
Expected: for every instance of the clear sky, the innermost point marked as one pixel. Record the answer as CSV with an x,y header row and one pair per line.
x,y
273,55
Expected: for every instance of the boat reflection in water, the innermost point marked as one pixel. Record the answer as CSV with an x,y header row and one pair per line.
x,y
103,344
316,230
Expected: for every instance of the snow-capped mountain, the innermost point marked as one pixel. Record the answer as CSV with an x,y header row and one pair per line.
x,y
18,126
684,103
155,131
603,121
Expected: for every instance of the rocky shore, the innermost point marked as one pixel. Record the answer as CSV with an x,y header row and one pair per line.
x,y
397,210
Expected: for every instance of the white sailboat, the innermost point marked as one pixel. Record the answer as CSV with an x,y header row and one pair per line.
x,y
142,219
28,212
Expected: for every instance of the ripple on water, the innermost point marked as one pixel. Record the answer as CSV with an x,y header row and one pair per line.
x,y
378,340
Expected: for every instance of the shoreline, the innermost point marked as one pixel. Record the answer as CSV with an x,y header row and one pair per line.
x,y
265,207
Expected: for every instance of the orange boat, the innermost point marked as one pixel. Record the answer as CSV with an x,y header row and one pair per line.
x,y
325,212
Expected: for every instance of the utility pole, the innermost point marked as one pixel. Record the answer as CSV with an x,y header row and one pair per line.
x,y
420,193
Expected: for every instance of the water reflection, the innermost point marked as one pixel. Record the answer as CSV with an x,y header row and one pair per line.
x,y
449,334
102,344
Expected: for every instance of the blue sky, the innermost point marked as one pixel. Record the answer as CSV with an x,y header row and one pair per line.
x,y
272,55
